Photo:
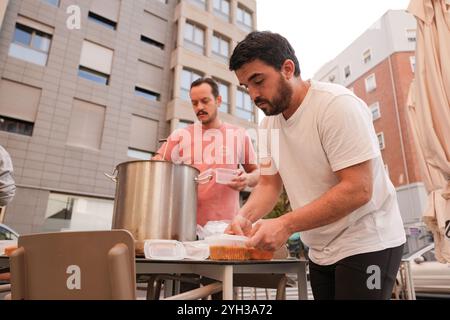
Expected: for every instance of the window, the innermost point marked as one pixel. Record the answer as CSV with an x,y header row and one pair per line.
x,y
72,212
411,35
371,83
147,94
139,154
95,62
199,3
224,93
102,21
244,106
105,12
412,61
222,9
30,45
367,56
187,77
244,18
152,42
347,72
154,28
16,126
93,75
380,137
149,79
86,125
53,2
18,107
194,37
375,109
183,124
143,134
221,47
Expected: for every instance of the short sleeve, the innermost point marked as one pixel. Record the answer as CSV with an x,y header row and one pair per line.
x,y
268,156
347,133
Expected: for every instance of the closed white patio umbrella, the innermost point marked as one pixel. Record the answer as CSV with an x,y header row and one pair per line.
x,y
429,114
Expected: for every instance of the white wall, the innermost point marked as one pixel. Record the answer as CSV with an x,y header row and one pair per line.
x,y
384,37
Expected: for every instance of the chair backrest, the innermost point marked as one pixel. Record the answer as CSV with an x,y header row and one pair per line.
x,y
74,265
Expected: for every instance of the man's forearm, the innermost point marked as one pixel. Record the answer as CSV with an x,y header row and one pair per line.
x,y
262,200
253,178
335,204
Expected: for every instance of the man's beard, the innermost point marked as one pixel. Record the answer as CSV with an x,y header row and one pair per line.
x,y
211,118
281,100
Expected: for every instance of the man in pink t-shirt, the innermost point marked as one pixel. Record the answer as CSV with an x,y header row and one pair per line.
x,y
209,145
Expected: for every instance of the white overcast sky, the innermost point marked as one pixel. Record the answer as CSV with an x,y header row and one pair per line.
x,y
320,29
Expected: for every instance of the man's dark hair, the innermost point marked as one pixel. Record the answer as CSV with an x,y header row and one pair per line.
x,y
211,82
269,47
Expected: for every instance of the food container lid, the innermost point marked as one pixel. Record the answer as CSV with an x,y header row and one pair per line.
x,y
226,240
164,250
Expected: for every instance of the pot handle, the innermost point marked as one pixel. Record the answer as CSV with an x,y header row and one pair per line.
x,y
113,176
203,179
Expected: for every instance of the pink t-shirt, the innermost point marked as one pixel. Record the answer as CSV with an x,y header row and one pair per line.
x,y
225,147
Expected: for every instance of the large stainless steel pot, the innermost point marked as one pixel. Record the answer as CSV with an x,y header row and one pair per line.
x,y
156,200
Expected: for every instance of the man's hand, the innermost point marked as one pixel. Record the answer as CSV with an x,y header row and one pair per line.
x,y
269,234
240,226
241,181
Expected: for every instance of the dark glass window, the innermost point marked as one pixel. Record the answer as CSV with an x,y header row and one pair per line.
x,y
150,95
102,20
93,75
23,34
53,2
16,126
152,42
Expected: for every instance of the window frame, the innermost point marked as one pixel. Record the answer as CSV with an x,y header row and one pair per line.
x,y
33,34
243,108
375,107
367,56
366,80
190,43
221,39
100,20
145,93
242,23
83,70
381,140
192,79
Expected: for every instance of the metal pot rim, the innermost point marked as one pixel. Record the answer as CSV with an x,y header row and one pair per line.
x,y
169,162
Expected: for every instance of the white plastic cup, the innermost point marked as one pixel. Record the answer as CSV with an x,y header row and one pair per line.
x,y
225,176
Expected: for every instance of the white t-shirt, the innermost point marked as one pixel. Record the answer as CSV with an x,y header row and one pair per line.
x,y
330,131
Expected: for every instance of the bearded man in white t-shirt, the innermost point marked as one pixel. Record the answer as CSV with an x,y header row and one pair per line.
x,y
326,154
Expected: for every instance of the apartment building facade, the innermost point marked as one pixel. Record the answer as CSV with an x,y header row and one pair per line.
x,y
88,84
379,67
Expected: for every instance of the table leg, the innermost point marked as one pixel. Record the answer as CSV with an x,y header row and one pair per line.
x,y
168,288
227,283
302,282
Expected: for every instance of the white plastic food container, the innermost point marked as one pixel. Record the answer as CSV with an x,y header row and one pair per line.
x,y
164,250
196,250
225,176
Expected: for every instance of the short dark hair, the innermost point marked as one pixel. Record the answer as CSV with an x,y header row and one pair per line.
x,y
269,47
211,82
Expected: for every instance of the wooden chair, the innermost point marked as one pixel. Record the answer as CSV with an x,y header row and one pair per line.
x,y
74,265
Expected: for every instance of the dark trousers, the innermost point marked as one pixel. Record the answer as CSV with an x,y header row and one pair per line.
x,y
368,276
